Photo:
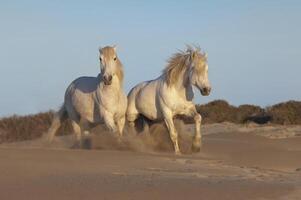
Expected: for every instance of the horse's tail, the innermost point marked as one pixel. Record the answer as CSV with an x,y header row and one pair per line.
x,y
58,118
142,124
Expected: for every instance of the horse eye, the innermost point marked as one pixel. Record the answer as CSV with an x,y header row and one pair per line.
x,y
100,59
115,58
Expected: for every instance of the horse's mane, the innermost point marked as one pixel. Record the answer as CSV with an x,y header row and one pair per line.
x,y
177,63
119,71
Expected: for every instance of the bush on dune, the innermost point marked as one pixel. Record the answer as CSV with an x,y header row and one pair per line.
x,y
285,113
17,128
250,113
217,111
26,127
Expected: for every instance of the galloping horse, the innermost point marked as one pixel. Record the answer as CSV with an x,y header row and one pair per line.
x,y
95,100
171,94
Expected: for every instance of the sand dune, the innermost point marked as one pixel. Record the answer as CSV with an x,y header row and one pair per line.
x,y
235,162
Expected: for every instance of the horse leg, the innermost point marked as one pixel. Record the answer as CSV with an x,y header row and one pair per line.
x,y
196,143
120,125
172,131
85,127
192,112
109,121
78,133
56,123
131,118
146,128
58,118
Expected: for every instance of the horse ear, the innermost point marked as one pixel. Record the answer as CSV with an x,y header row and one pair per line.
x,y
115,47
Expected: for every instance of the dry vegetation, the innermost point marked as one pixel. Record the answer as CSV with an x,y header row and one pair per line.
x,y
17,128
221,111
286,113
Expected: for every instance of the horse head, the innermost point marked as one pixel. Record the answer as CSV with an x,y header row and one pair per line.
x,y
198,75
110,65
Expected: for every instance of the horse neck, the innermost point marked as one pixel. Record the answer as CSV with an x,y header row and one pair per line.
x,y
182,80
183,86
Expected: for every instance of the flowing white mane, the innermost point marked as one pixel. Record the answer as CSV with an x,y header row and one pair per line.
x,y
179,62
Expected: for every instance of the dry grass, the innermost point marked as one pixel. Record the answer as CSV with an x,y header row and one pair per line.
x,y
17,128
285,113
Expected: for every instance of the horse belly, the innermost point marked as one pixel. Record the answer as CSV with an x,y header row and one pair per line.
x,y
85,106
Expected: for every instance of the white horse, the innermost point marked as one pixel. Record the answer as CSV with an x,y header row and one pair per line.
x,y
94,100
171,94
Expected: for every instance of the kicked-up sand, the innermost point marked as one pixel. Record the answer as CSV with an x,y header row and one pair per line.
x,y
235,162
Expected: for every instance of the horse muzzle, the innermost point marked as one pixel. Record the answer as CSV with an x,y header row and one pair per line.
x,y
107,79
205,91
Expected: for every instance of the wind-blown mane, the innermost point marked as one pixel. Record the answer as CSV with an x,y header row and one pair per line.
x,y
119,71
178,63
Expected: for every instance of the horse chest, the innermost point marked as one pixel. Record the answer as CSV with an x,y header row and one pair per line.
x,y
113,102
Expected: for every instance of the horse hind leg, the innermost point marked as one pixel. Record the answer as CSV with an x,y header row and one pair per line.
x,y
138,124
131,120
142,125
58,118
78,133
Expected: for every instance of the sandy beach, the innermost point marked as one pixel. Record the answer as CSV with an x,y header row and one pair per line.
x,y
235,162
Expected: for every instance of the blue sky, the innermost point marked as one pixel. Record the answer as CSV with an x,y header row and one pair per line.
x,y
254,47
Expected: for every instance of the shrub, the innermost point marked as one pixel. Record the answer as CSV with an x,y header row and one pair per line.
x,y
217,111
220,111
286,113
17,128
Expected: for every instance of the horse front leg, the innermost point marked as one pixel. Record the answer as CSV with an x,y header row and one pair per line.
x,y
120,126
172,131
191,112
109,121
197,139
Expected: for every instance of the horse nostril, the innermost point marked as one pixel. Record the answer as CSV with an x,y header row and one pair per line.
x,y
206,91
107,79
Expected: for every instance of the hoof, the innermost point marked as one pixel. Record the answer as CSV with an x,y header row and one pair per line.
x,y
119,140
178,153
77,145
48,138
196,147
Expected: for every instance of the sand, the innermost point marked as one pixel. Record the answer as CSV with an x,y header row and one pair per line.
x,y
235,162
